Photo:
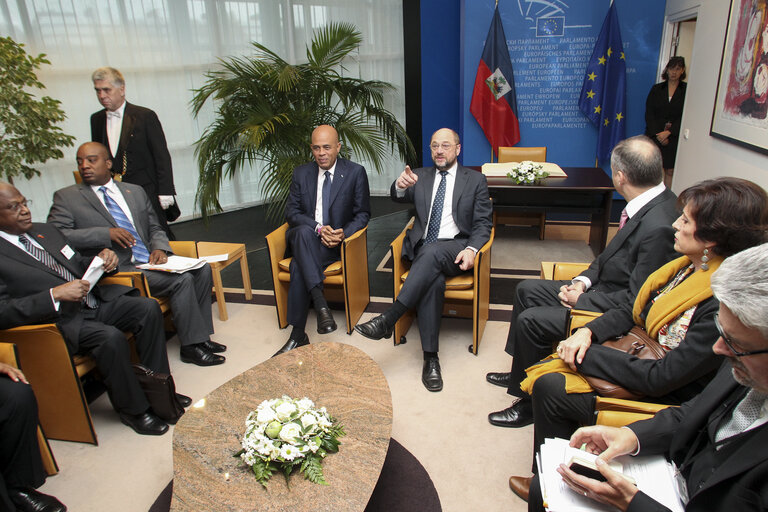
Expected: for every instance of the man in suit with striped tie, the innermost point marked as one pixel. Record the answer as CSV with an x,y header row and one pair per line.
x,y
39,283
101,212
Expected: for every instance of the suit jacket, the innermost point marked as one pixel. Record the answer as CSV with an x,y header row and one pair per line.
x,y
471,207
80,215
738,480
25,284
645,243
350,206
678,376
142,153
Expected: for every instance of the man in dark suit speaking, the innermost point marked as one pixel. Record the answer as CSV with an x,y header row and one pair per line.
x,y
717,440
101,212
329,200
135,140
453,221
39,282
643,243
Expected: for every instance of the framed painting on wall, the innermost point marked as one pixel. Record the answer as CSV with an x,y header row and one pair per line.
x,y
740,109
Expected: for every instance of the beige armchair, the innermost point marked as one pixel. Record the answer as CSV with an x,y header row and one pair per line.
x,y
466,295
345,281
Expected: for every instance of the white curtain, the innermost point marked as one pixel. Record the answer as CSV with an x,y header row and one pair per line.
x,y
164,48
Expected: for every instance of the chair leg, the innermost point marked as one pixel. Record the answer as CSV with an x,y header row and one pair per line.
x,y
217,285
246,276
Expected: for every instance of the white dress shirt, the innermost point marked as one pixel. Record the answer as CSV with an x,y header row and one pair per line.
x,y
319,202
115,127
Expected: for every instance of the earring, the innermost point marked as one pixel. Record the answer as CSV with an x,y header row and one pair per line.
x,y
704,260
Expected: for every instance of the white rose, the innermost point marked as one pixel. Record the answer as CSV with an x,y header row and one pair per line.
x,y
308,419
265,415
285,410
290,432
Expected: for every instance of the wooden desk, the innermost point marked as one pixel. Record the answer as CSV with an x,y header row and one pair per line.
x,y
586,190
234,252
337,376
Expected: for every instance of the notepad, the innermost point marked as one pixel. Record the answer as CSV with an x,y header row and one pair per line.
x,y
175,264
496,170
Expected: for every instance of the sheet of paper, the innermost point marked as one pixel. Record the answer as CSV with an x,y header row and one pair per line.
x,y
653,474
496,170
216,257
175,264
93,272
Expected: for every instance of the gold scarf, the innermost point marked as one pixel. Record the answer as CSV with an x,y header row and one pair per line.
x,y
691,291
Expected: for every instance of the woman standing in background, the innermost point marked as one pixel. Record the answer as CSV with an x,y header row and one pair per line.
x,y
664,111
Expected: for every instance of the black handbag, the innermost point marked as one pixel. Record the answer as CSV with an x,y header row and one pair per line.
x,y
172,212
161,393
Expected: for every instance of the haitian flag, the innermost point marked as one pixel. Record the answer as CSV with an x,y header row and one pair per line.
x,y
494,102
604,92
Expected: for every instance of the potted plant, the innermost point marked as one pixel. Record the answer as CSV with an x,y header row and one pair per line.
x,y
28,131
267,108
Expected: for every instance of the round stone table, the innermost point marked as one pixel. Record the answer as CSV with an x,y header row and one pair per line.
x,y
339,377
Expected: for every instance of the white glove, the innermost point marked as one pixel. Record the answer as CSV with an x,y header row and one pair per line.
x,y
166,201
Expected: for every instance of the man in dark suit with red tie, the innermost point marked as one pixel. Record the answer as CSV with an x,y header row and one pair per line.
x,y
453,221
39,283
135,140
329,201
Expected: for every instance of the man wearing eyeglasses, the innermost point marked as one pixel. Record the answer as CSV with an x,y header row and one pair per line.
x,y
329,201
718,439
453,221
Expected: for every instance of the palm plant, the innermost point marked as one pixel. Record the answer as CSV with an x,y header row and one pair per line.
x,y
266,110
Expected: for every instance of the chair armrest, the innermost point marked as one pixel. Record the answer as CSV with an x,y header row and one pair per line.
x,y
8,354
276,243
580,317
484,252
621,405
396,250
561,271
134,279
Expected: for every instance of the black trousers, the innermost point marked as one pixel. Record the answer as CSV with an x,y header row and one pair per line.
x,y
20,463
424,288
101,336
538,321
310,257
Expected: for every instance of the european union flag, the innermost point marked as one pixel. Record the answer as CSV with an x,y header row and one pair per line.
x,y
553,26
604,92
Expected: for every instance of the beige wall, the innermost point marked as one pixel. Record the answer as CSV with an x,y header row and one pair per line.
x,y
702,156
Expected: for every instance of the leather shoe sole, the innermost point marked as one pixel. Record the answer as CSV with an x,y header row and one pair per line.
x,y
431,376
375,328
184,400
199,355
325,322
519,415
214,347
146,424
28,499
521,485
499,379
292,344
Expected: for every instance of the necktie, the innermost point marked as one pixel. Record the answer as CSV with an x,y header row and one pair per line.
x,y
327,199
437,211
744,414
114,115
140,252
46,259
624,218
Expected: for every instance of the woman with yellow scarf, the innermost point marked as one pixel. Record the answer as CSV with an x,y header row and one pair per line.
x,y
675,306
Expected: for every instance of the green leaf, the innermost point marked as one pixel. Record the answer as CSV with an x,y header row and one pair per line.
x,y
312,470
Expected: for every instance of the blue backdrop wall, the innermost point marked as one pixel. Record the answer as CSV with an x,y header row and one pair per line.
x,y
549,69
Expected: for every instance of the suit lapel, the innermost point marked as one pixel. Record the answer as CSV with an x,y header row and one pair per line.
x,y
135,211
338,180
125,134
426,191
458,188
53,250
630,226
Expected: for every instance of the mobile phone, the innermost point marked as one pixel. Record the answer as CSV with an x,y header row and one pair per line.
x,y
585,468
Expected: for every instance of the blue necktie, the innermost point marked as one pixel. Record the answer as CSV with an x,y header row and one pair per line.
x,y
46,259
140,252
327,199
437,211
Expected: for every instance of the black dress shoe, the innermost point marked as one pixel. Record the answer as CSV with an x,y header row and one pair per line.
x,y
199,355
375,328
430,374
292,344
146,424
499,379
184,400
325,321
214,347
519,415
29,500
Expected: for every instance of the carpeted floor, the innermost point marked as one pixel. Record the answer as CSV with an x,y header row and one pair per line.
x,y
404,486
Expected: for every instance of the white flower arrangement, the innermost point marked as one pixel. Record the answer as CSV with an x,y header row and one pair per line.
x,y
284,433
527,173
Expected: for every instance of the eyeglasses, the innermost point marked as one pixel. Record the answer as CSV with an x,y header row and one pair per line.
x,y
444,146
16,207
729,343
